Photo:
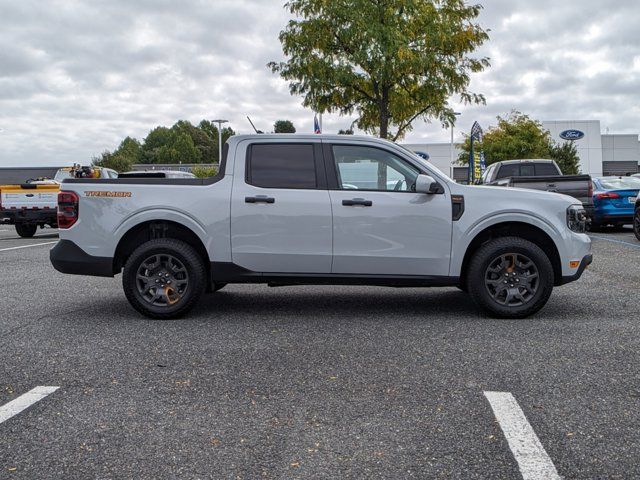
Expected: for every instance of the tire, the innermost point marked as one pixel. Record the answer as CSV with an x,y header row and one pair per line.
x,y
26,230
594,227
636,222
529,293
180,283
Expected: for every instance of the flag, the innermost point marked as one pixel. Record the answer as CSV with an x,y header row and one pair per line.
x,y
316,125
476,160
476,132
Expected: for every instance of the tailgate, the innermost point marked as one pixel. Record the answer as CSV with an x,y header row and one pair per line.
x,y
19,197
576,186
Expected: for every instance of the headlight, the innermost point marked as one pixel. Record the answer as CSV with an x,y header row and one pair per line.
x,y
577,218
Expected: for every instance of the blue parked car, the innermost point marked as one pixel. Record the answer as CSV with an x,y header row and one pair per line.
x,y
614,199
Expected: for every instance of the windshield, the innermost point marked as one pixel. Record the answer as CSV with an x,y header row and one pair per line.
x,y
620,183
62,174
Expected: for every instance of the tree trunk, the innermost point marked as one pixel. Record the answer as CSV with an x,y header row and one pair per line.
x,y
384,113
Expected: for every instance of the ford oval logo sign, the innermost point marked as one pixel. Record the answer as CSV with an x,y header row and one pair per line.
x,y
572,135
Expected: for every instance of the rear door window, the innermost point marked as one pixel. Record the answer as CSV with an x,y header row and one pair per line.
x,y
282,166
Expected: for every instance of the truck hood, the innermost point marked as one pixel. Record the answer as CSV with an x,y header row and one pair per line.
x,y
519,194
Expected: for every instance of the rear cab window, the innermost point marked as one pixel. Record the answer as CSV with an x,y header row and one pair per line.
x,y
512,170
292,166
546,170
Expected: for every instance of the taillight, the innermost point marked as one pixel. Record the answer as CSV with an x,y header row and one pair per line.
x,y
68,208
602,196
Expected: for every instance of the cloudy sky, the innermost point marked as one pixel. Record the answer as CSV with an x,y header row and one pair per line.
x,y
78,76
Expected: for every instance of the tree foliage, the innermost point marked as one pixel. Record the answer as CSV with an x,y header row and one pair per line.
x,y
390,61
119,163
566,156
284,126
182,143
204,171
514,137
519,137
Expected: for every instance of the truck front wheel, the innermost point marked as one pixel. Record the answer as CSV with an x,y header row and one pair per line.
x,y
26,230
510,277
164,278
636,222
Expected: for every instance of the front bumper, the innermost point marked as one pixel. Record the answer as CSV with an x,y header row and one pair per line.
x,y
586,261
67,257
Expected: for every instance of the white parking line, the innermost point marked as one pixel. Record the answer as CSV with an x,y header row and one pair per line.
x,y
533,460
27,246
24,401
597,237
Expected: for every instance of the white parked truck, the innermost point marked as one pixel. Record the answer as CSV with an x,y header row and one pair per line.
x,y
318,209
34,202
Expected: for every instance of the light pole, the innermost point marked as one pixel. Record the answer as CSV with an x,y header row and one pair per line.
x,y
457,114
220,122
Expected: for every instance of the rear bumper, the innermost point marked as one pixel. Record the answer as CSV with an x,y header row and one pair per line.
x,y
26,216
609,216
586,261
67,257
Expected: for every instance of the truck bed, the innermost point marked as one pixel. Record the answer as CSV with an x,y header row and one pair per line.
x,y
576,186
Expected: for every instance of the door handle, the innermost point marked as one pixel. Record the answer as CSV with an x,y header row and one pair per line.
x,y
357,202
259,199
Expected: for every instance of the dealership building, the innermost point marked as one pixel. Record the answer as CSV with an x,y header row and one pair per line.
x,y
600,154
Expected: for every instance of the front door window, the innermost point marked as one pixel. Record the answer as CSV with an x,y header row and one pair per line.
x,y
373,169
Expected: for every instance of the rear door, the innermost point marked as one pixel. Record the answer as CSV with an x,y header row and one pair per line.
x,y
380,226
280,208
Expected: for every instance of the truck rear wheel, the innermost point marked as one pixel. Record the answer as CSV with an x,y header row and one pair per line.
x,y
164,278
26,230
510,277
636,222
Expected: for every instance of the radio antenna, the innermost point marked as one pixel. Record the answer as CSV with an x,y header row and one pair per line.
x,y
254,127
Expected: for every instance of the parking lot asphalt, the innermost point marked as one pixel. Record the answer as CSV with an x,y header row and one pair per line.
x,y
315,382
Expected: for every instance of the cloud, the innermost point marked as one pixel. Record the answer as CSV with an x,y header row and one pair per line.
x,y
78,76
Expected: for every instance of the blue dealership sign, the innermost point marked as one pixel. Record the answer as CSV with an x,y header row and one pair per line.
x,y
572,135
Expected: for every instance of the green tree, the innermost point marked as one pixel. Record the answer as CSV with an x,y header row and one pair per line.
x,y
119,163
566,156
212,131
392,62
203,142
156,139
284,126
515,137
129,148
348,131
180,150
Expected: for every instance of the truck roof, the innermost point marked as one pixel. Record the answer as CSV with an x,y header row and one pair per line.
x,y
526,160
309,136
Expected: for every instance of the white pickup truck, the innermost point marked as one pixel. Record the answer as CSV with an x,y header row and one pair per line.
x,y
33,203
317,209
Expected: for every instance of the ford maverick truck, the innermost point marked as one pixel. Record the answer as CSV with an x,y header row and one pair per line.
x,y
317,209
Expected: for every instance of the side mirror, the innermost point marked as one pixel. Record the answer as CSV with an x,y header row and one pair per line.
x,y
427,184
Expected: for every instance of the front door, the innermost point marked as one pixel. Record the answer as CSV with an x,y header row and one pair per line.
x,y
380,226
280,209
